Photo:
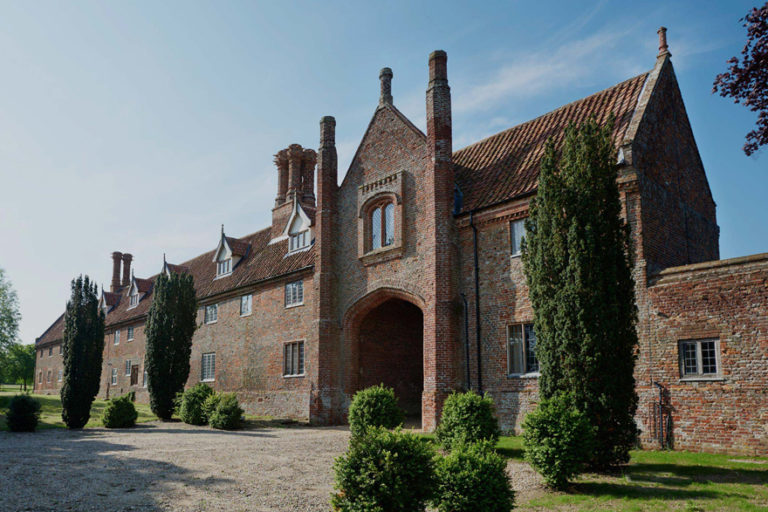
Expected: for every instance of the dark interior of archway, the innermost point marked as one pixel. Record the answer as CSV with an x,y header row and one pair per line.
x,y
392,350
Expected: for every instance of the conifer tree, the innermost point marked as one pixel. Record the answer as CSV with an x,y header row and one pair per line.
x,y
171,322
578,261
83,347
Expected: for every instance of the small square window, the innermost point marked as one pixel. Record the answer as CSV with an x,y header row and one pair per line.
x,y
208,367
211,313
298,241
130,334
293,359
294,294
134,300
224,267
245,305
516,235
699,358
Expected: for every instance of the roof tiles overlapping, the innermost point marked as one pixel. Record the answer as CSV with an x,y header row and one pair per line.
x,y
506,165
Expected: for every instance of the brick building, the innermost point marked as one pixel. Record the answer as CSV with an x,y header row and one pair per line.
x,y
408,273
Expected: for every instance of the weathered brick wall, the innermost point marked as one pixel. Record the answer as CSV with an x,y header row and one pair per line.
x,y
48,362
115,356
724,300
679,222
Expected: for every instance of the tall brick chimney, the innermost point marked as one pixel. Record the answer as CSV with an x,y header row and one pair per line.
x,y
308,177
127,258
281,161
385,76
116,259
440,322
327,396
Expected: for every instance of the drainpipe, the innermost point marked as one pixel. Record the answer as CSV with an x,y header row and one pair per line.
x,y
661,414
466,337
477,303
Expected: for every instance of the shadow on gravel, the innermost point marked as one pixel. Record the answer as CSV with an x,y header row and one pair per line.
x,y
75,470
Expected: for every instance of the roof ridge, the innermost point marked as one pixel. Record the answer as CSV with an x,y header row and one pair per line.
x,y
561,107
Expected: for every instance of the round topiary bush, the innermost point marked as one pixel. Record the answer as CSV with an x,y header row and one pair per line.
x,y
191,406
384,471
23,414
120,413
467,418
558,440
473,477
374,407
227,413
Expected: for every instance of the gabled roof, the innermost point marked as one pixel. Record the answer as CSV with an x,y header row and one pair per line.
x,y
53,333
110,298
175,269
143,285
506,165
261,263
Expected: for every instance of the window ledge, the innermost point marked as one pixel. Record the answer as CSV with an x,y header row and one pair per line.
x,y
207,380
293,376
383,254
703,379
516,256
246,314
289,306
220,276
532,375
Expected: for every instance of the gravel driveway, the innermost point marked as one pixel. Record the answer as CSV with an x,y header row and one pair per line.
x,y
177,467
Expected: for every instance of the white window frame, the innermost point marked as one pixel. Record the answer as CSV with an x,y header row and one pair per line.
x,y
523,355
127,367
213,317
130,333
48,376
117,337
699,374
516,235
144,379
298,241
133,300
114,376
61,375
224,267
294,293
208,367
294,359
248,301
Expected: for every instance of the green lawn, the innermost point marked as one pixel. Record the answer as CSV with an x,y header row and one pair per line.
x,y
658,481
50,415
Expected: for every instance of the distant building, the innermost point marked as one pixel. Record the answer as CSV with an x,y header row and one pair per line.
x,y
384,277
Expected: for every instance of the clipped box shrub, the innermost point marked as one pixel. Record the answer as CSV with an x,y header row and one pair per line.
x,y
384,471
467,418
471,478
558,440
210,404
191,405
375,406
120,413
23,414
226,414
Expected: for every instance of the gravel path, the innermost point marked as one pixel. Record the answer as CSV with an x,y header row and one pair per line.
x,y
177,467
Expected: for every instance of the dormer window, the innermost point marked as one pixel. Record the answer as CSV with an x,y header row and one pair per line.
x,y
134,300
299,233
224,267
298,241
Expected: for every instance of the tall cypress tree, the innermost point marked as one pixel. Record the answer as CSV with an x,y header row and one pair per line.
x,y
578,261
171,322
83,347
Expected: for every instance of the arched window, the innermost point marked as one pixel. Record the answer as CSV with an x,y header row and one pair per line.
x,y
382,226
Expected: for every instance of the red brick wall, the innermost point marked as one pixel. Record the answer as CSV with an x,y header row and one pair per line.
x,y
724,300
45,364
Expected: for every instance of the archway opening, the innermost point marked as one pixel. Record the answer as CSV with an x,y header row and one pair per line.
x,y
391,352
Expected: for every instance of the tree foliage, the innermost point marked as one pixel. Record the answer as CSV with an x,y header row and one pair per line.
x,y
375,406
578,262
9,321
170,326
467,418
746,81
18,363
83,347
23,414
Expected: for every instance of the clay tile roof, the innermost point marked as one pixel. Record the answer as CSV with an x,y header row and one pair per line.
x,y
111,298
177,269
144,285
261,263
239,248
54,333
506,165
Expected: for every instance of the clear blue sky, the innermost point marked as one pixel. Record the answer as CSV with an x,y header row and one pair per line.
x,y
143,126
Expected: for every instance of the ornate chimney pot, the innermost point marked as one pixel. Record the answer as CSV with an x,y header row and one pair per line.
x,y
385,76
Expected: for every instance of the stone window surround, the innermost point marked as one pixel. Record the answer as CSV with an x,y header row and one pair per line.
x,y
377,193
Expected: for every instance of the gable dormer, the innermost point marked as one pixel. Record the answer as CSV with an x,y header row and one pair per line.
x,y
138,290
228,254
108,301
296,184
170,268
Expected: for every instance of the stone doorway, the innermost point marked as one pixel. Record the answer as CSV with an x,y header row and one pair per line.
x,y
391,352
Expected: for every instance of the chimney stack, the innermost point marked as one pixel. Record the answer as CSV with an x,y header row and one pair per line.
x,y
663,47
116,258
127,258
385,76
308,176
439,132
281,161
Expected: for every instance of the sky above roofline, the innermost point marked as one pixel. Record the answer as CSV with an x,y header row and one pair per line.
x,y
141,127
